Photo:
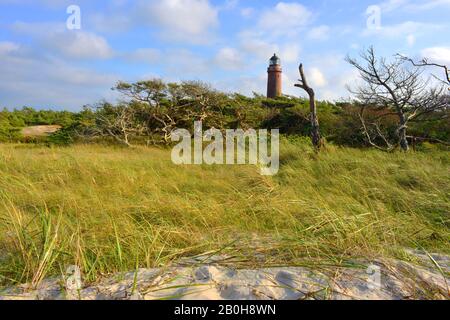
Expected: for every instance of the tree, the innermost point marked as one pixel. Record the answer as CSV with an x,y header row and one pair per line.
x,y
315,127
119,122
392,89
425,63
164,107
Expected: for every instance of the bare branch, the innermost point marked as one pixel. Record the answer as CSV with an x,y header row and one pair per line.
x,y
389,147
425,63
315,127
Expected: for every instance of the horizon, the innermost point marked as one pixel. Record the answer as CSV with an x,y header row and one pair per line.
x,y
226,43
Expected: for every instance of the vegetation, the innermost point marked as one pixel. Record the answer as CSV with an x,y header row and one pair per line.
x,y
11,122
78,197
153,109
107,208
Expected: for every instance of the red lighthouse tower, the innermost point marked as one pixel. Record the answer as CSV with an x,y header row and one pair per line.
x,y
274,83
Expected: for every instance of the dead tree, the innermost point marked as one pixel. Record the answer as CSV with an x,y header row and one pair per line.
x,y
392,89
315,127
119,122
425,63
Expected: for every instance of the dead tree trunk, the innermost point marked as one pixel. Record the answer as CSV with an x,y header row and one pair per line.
x,y
402,133
315,127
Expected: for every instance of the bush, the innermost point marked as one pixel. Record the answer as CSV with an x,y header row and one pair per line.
x,y
62,137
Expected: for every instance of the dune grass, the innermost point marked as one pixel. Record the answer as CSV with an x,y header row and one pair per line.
x,y
109,209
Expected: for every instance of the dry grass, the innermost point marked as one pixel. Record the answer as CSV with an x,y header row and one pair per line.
x,y
106,209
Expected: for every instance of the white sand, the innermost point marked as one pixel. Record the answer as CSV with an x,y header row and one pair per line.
x,y
399,280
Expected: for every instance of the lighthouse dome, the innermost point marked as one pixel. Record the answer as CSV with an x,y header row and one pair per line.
x,y
275,60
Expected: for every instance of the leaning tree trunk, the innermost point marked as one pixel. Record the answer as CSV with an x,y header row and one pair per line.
x,y
315,127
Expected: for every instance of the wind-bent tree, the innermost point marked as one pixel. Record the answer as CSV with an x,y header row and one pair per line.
x,y
391,89
315,127
154,108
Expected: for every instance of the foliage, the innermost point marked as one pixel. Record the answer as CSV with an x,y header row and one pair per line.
x,y
151,110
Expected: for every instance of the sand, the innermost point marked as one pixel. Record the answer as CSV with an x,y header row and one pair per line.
x,y
211,281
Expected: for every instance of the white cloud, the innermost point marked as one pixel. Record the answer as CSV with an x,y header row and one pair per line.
x,y
401,29
229,59
144,55
410,5
48,3
285,18
38,29
319,33
290,53
76,44
336,87
427,5
183,64
187,20
391,5
253,45
177,64
110,22
316,77
28,78
79,45
229,5
7,47
437,54
276,31
247,12
259,49
410,40
184,21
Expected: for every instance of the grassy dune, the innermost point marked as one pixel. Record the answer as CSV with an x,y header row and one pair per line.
x,y
110,209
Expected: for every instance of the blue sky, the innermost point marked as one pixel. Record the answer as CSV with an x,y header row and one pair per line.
x,y
224,42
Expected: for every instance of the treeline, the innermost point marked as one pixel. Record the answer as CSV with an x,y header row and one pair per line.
x,y
151,110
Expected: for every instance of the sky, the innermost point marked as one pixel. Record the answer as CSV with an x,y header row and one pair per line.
x,y
51,59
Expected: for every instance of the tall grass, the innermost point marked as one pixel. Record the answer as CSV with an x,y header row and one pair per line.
x,y
110,209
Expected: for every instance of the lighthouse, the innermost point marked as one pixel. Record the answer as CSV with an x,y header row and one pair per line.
x,y
274,82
